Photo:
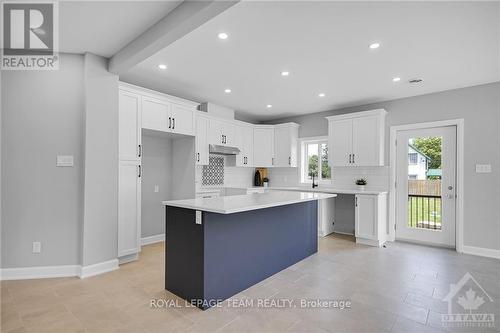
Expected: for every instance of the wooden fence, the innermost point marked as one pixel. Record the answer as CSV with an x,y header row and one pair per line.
x,y
431,187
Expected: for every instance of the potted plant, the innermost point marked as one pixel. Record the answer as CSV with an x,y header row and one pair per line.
x,y
361,182
265,182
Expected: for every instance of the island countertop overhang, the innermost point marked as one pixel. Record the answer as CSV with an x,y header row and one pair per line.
x,y
247,202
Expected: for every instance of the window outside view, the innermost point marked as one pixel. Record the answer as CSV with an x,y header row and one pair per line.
x,y
424,183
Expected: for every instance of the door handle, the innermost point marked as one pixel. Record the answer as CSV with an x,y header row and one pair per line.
x,y
140,171
140,151
173,123
169,122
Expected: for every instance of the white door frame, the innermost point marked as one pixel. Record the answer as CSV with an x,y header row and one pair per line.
x,y
459,208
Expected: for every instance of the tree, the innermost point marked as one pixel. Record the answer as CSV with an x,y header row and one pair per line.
x,y
313,166
432,148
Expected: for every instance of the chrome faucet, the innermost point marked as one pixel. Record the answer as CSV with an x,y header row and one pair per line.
x,y
313,184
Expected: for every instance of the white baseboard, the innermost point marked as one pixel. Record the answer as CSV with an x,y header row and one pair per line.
x,y
43,272
481,251
153,239
99,268
39,272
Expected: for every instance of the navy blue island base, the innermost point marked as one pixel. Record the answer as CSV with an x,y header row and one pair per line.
x,y
227,253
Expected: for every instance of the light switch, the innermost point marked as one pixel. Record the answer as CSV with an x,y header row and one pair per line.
x,y
64,161
483,168
157,188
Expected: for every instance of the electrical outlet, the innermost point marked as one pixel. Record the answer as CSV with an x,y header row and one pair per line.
x,y
157,188
37,247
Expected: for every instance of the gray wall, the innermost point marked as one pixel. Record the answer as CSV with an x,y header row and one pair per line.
x,y
100,218
479,106
157,170
42,116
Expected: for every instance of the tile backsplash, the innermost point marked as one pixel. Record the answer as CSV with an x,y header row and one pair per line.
x,y
213,173
218,174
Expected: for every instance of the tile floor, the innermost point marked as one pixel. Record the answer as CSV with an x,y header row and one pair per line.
x,y
393,289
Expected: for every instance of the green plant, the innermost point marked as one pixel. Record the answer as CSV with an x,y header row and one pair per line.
x,y
361,181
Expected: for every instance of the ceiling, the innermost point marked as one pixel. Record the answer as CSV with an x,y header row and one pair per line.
x,y
325,47
104,27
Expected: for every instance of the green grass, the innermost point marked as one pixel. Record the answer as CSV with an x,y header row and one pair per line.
x,y
426,211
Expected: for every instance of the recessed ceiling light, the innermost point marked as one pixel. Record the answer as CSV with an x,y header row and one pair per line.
x,y
162,66
285,73
227,90
321,94
223,35
396,79
269,106
374,46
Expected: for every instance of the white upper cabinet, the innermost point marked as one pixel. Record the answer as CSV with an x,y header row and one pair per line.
x,y
201,142
155,114
221,132
285,145
263,146
129,127
357,139
164,113
183,120
340,142
243,139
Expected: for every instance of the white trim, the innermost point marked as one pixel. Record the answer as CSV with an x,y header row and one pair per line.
x,y
99,268
38,272
350,115
152,239
459,123
481,251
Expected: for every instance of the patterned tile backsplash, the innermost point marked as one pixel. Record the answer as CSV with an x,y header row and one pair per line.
x,y
213,173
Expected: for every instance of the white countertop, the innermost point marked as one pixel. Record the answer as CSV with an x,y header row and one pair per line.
x,y
325,189
246,202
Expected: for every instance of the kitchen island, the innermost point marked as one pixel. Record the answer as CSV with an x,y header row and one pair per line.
x,y
217,247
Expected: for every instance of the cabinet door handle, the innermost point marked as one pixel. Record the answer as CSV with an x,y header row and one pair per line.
x,y
198,157
173,123
350,161
356,204
353,158
140,171
289,160
222,138
139,153
169,122
272,161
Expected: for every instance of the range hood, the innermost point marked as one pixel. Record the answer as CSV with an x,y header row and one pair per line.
x,y
223,150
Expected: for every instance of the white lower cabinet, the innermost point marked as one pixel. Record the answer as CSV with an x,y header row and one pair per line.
x,y
129,208
263,146
370,219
